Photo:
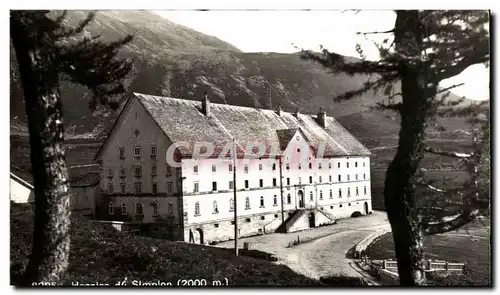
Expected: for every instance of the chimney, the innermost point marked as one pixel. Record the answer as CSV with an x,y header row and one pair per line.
x,y
296,114
205,105
321,118
278,110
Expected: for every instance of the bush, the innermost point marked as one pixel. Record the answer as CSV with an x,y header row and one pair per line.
x,y
356,214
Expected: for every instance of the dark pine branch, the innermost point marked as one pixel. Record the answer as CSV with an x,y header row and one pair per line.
x,y
337,63
92,63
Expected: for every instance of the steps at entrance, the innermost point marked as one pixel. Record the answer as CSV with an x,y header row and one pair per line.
x,y
305,218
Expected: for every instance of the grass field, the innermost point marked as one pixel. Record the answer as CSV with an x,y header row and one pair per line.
x,y
101,254
456,246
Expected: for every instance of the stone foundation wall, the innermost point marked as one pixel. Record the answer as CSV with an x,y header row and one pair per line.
x,y
223,230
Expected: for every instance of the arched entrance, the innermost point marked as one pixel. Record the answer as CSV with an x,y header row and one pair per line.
x,y
366,208
199,236
300,194
312,220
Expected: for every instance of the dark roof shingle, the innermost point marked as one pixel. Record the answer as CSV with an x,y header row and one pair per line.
x,y
182,121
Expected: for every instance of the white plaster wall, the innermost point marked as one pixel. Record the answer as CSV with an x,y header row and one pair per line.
x,y
20,193
136,118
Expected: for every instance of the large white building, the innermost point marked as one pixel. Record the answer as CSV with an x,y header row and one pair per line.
x,y
195,201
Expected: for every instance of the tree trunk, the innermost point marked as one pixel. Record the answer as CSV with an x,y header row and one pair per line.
x,y
417,89
36,56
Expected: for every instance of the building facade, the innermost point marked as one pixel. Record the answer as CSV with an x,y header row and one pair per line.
x,y
305,171
21,189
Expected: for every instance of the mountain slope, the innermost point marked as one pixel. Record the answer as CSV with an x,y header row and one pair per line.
x,y
176,61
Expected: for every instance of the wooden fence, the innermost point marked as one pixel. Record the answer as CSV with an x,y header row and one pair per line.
x,y
429,266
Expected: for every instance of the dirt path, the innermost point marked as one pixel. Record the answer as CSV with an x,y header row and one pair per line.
x,y
325,254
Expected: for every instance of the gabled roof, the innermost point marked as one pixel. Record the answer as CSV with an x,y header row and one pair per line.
x,y
285,136
182,121
21,176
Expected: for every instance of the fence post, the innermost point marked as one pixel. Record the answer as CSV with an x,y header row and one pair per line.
x,y
429,265
384,264
446,266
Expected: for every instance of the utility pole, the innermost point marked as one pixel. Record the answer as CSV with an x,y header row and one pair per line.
x,y
281,190
235,204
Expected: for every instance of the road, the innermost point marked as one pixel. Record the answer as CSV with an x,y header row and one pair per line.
x,y
325,254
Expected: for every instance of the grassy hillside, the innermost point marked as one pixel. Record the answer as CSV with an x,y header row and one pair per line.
x,y
100,254
470,245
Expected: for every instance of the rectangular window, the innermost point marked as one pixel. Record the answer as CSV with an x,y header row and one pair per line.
x,y
246,183
110,173
300,180
356,176
261,182
348,191
310,179
274,181
364,164
357,192
330,178
111,208
153,151
231,184
214,185
320,179
365,190
155,209
154,188
274,166
195,168
347,163
137,171
110,188
287,166
169,170
246,168
330,165
340,193
355,164
338,165
138,187
137,151
364,175
153,170
321,195
299,166
230,167
214,169
348,177
310,165
340,178
319,165
260,166
122,153
122,171
196,187
123,187
288,181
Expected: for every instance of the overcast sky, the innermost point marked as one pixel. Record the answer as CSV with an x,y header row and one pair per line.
x,y
275,31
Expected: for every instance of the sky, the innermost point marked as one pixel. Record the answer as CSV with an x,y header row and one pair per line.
x,y
283,31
